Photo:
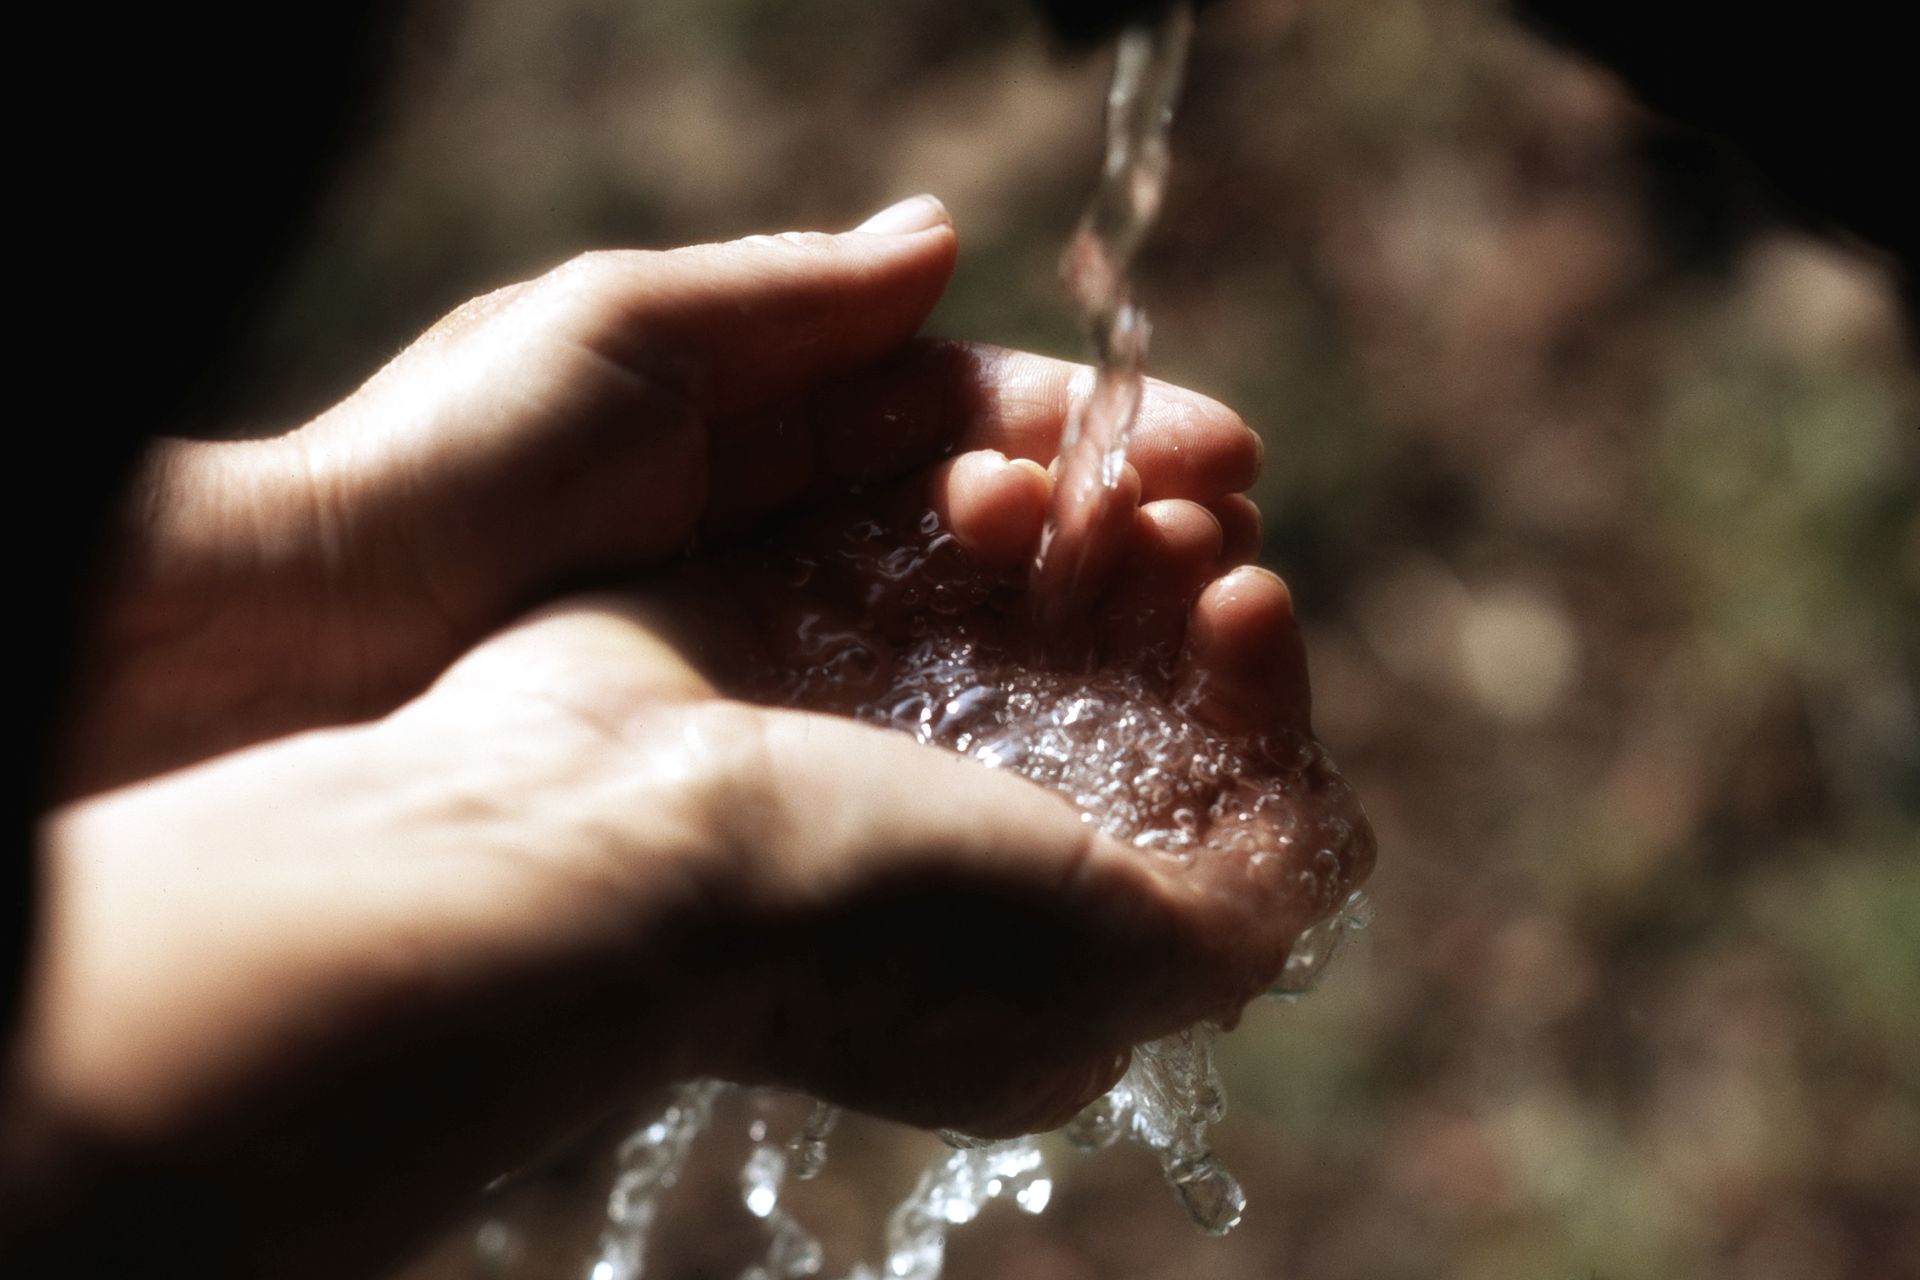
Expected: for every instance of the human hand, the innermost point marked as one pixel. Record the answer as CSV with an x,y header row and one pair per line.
x,y
487,886
570,869
552,434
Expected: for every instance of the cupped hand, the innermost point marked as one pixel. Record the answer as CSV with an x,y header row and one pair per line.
x,y
571,869
527,883
570,430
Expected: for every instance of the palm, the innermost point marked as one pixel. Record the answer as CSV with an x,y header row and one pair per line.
x,y
630,838
860,611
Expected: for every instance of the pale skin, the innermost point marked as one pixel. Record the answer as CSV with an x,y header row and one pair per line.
x,y
385,849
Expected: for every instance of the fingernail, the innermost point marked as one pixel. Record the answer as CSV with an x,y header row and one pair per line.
x,y
915,213
1247,575
1033,468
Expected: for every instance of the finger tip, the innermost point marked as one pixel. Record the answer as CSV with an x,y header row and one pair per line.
x,y
912,216
1245,653
996,506
1247,599
1028,466
1242,529
1174,548
1179,530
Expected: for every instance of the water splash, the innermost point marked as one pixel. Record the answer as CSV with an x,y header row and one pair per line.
x,y
1262,815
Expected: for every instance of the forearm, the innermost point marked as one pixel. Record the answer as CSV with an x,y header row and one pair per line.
x,y
282,989
230,609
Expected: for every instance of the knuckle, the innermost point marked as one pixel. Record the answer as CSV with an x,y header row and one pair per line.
x,y
592,286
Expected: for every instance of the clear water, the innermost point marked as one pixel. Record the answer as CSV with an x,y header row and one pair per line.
x,y
1097,268
1122,742
650,1162
791,1250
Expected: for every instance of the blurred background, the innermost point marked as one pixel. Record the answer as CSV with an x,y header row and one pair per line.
x,y
1597,486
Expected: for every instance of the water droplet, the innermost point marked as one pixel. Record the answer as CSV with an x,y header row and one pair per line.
x,y
1213,1199
1034,1196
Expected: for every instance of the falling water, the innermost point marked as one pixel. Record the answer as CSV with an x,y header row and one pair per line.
x,y
791,1250
650,1162
1097,268
1125,745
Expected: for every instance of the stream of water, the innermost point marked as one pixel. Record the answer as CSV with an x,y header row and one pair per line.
x,y
1097,268
1133,757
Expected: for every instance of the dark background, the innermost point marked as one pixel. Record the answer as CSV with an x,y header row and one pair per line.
x,y
1595,471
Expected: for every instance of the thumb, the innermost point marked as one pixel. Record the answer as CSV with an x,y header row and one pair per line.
x,y
558,430
931,940
740,324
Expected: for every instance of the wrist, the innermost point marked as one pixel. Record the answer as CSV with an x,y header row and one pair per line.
x,y
216,619
358,954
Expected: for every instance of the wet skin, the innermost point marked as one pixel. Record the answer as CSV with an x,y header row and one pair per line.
x,y
384,839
